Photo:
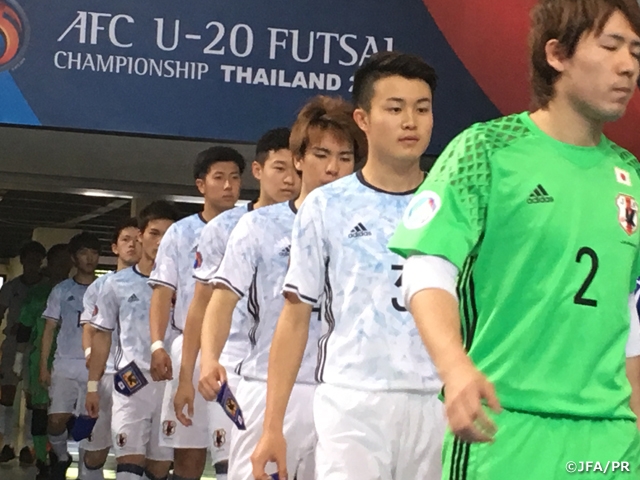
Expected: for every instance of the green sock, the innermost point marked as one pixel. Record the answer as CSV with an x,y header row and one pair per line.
x,y
40,446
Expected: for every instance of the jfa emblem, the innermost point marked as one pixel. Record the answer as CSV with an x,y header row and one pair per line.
x,y
627,213
121,439
220,438
168,428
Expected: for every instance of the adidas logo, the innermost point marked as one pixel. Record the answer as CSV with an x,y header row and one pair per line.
x,y
285,251
359,231
133,298
540,195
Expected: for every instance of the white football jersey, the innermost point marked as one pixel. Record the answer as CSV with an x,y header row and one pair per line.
x,y
123,308
64,306
174,264
211,247
254,265
89,305
339,250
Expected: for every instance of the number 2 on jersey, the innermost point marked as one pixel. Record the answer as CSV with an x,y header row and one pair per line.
x,y
579,298
394,301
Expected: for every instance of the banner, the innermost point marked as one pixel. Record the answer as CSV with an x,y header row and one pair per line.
x,y
220,70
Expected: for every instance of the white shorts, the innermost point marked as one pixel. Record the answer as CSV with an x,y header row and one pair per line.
x,y
68,388
299,431
378,435
136,423
221,425
100,438
197,435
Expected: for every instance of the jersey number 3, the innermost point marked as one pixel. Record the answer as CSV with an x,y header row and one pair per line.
x,y
394,301
579,298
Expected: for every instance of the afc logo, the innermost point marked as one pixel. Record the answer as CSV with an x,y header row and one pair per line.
x,y
14,34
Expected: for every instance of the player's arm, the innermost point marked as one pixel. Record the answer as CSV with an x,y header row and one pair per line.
x,y
633,357
103,323
89,302
231,282
441,228
5,299
52,319
164,280
302,287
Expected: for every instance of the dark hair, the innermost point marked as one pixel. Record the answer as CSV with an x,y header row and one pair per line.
x,y
158,210
123,225
387,64
84,240
272,141
208,157
327,113
566,21
56,250
32,248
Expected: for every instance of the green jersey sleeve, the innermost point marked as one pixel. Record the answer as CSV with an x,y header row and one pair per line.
x,y
447,215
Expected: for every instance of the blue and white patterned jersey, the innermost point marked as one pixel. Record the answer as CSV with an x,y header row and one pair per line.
x,y
89,304
64,306
174,264
254,265
339,249
123,308
211,248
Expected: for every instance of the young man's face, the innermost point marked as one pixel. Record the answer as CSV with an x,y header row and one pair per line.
x,y
221,185
127,248
60,265
151,236
400,120
328,157
86,260
599,80
31,263
278,179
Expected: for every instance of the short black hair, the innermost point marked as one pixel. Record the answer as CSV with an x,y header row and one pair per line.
x,y
386,64
123,225
84,240
158,210
272,141
212,155
57,250
32,247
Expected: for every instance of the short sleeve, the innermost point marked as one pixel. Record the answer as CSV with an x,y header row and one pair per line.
x,y
241,257
307,265
107,307
165,269
6,292
52,310
447,215
89,302
211,247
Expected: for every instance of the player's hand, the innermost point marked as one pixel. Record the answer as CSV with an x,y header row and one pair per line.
x,y
184,397
272,447
465,389
92,404
45,377
212,377
161,368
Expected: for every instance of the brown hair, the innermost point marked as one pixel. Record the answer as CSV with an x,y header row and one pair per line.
x,y
327,113
566,21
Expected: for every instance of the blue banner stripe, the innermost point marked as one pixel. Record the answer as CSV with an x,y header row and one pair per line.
x,y
13,106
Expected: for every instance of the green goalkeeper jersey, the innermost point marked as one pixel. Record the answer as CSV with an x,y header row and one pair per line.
x,y
545,237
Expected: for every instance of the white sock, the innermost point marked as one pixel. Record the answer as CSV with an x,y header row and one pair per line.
x,y
129,472
59,446
88,474
127,476
6,424
221,476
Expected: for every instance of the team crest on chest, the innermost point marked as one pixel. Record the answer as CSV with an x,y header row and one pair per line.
x,y
627,213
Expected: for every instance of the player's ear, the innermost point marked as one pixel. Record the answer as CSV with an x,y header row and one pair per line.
x,y
361,117
556,56
200,185
256,170
114,248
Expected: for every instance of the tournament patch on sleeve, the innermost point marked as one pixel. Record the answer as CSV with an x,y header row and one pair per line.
x,y
129,380
230,406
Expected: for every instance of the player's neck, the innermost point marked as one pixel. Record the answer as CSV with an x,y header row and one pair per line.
x,y
31,278
562,122
84,278
263,201
391,175
121,265
305,190
210,211
145,265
